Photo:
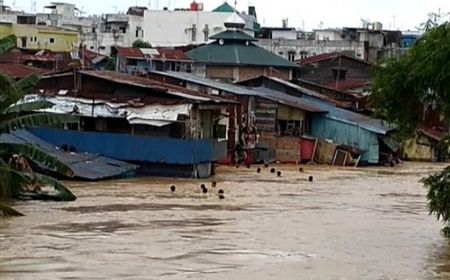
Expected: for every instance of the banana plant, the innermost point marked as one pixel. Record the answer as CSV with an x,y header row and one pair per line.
x,y
15,115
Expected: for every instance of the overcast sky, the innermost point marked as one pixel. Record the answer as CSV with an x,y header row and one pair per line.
x,y
311,14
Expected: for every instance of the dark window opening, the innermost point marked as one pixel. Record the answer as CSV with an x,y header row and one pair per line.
x,y
339,73
52,40
291,56
24,42
292,128
132,62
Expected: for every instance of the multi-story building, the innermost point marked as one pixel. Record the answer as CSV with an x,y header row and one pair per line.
x,y
40,37
191,26
370,43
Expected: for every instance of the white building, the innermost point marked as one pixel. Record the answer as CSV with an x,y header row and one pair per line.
x,y
187,26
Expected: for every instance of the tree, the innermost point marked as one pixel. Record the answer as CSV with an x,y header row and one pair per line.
x,y
141,44
15,172
419,79
439,197
404,86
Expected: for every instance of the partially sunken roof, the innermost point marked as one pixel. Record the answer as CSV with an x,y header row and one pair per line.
x,y
224,8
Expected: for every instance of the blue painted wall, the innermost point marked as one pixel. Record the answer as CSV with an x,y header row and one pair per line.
x,y
347,134
132,148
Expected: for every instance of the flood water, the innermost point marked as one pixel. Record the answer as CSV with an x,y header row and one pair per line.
x,y
369,223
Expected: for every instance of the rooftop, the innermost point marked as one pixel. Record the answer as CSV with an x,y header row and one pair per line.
x,y
18,71
171,90
326,56
224,8
306,103
237,53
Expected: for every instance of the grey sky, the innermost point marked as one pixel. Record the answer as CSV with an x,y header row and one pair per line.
x,y
398,14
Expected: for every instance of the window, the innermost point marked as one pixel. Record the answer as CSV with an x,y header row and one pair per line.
x,y
339,73
132,62
52,40
206,32
194,33
291,55
292,128
35,39
303,54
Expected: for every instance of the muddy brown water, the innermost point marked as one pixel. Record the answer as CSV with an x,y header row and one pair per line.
x,y
367,223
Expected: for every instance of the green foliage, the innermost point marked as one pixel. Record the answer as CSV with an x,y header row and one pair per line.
x,y
7,210
439,197
405,86
13,180
35,120
7,43
141,44
111,64
419,79
30,152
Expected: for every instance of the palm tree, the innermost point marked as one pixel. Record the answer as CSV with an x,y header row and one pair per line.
x,y
16,175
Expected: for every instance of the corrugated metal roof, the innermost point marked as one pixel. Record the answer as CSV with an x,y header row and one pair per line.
x,y
18,71
266,93
130,52
147,83
365,122
238,53
170,54
326,56
233,35
348,84
308,103
86,166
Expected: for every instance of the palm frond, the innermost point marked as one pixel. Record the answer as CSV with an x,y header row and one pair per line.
x,y
28,107
12,181
8,210
64,194
25,85
9,93
36,155
7,43
35,120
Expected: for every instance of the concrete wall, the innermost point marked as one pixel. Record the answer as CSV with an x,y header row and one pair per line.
x,y
328,35
282,47
179,24
44,38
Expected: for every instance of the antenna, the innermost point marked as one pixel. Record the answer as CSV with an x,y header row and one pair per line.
x,y
33,7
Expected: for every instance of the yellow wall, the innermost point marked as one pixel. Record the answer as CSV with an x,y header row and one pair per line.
x,y
415,149
5,30
34,37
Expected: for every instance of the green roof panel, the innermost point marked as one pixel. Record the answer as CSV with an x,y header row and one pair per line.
x,y
233,35
237,53
224,8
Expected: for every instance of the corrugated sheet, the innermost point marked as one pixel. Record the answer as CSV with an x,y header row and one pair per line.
x,y
132,148
345,133
146,83
85,165
130,52
238,53
266,93
305,102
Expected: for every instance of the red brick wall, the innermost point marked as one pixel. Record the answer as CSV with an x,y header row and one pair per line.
x,y
220,72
